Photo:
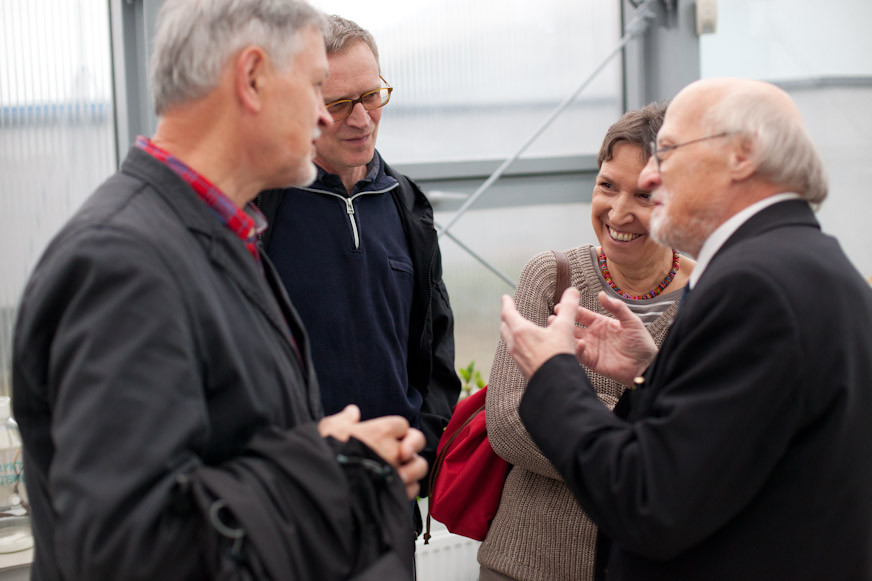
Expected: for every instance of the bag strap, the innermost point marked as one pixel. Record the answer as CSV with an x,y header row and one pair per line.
x,y
437,465
564,275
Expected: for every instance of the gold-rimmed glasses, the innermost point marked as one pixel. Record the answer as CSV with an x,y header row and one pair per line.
x,y
370,100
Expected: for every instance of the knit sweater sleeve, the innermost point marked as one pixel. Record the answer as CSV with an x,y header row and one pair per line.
x,y
534,299
508,436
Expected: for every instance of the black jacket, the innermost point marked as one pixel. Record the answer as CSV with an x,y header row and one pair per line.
x,y
746,454
264,519
149,347
430,364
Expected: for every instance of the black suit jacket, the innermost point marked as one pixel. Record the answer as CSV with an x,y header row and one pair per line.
x,y
747,453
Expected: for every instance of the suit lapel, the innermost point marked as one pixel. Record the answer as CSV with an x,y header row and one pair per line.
x,y
788,213
223,248
229,255
295,324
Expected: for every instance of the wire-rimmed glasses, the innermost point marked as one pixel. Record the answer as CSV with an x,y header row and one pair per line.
x,y
657,152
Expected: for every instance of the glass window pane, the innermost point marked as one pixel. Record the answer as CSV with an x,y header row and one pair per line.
x,y
476,79
506,237
57,138
780,40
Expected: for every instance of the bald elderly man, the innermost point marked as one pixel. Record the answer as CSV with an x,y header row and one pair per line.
x,y
744,452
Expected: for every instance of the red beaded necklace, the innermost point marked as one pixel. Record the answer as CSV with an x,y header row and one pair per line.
x,y
651,293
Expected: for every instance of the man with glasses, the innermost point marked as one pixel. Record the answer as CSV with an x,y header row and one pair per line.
x,y
359,256
162,382
744,450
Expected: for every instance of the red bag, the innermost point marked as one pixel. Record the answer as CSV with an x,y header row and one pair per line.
x,y
467,477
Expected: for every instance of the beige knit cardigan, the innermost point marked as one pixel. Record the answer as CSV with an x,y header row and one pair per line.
x,y
540,532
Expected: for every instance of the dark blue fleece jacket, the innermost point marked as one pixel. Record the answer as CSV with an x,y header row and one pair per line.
x,y
345,263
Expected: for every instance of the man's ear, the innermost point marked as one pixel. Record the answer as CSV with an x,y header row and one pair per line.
x,y
250,77
743,158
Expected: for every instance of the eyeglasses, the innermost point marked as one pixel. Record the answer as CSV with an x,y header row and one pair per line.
x,y
370,100
656,152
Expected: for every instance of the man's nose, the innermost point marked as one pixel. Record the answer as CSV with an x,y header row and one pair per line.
x,y
649,179
359,115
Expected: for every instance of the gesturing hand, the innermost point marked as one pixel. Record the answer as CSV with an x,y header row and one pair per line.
x,y
620,348
530,345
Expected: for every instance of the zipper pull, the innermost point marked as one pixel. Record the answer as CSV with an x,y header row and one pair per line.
x,y
349,208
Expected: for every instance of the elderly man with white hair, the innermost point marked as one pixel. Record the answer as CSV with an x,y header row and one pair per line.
x,y
162,380
744,450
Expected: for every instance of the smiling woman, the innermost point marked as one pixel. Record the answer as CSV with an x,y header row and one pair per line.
x,y
538,515
632,263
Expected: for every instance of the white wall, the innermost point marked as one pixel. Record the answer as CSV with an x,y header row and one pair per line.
x,y
789,39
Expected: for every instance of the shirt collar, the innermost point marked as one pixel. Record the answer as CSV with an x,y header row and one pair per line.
x,y
723,232
375,178
246,222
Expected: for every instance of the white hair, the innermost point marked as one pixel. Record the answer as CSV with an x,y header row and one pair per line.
x,y
783,150
195,38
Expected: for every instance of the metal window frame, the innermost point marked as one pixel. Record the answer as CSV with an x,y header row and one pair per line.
x,y
657,61
131,26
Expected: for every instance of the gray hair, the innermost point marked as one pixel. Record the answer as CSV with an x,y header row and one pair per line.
x,y
341,33
784,152
195,38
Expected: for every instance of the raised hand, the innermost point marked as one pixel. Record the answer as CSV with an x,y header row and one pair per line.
x,y
619,348
530,345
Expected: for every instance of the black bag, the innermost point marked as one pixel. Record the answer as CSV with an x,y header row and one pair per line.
x,y
295,506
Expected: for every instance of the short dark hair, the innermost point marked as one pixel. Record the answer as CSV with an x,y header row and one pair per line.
x,y
636,127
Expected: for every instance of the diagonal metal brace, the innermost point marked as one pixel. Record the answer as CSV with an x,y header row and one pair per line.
x,y
643,17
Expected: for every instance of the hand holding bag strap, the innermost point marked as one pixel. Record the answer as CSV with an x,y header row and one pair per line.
x,y
564,275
